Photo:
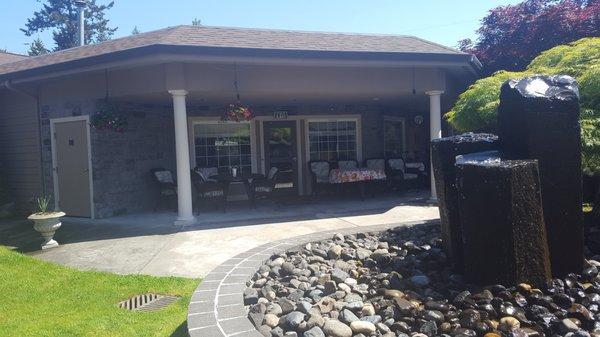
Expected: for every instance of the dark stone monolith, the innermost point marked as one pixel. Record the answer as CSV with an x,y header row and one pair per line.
x,y
503,232
538,119
443,157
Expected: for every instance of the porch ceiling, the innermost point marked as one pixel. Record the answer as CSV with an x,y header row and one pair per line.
x,y
212,98
213,84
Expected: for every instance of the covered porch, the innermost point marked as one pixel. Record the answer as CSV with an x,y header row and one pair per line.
x,y
326,111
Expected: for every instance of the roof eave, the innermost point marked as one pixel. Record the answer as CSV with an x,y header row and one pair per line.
x,y
180,52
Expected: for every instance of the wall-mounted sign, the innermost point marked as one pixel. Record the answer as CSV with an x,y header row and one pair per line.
x,y
419,119
280,115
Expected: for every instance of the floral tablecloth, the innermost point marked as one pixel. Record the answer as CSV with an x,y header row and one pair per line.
x,y
338,176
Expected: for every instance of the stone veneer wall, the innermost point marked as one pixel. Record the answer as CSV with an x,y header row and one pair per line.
x,y
121,162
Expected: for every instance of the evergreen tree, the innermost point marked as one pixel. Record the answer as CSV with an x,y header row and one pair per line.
x,y
135,31
60,16
196,22
37,48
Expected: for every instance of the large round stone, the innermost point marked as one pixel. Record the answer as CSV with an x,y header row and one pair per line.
x,y
314,332
335,328
363,327
293,319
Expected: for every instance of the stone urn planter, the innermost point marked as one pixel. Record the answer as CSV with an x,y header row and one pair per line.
x,y
47,223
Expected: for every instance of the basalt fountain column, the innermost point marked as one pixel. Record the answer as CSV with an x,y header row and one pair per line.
x,y
443,155
503,232
538,119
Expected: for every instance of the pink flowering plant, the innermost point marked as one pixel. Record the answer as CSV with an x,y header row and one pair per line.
x,y
238,112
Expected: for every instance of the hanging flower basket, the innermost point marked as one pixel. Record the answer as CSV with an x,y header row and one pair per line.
x,y
237,113
108,118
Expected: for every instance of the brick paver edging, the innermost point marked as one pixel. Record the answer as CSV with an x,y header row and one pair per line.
x,y
217,306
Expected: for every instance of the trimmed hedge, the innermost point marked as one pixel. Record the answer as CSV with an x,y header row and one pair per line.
x,y
477,108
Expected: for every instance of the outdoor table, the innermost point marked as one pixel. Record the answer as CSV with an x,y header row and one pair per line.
x,y
358,176
241,178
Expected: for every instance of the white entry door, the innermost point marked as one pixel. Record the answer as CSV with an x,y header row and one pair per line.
x,y
71,162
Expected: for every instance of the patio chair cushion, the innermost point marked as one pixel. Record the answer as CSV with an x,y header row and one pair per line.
x,y
272,172
376,164
347,164
207,172
321,171
396,164
164,177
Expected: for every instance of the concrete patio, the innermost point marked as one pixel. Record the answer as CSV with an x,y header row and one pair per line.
x,y
151,244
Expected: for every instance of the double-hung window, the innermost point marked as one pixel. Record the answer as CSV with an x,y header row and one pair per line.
x,y
223,145
332,140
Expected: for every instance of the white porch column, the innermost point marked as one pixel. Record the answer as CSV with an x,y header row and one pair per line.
x,y
184,183
435,129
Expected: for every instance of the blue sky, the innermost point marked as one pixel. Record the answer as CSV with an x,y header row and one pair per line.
x,y
442,21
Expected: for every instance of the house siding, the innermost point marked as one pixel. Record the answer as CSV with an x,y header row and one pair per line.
x,y
20,149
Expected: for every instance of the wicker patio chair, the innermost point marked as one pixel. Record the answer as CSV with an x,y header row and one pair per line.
x,y
167,187
319,172
263,187
209,190
397,174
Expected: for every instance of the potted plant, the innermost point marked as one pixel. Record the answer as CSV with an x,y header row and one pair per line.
x,y
46,222
108,117
237,113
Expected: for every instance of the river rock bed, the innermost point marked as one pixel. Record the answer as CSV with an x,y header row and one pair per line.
x,y
398,283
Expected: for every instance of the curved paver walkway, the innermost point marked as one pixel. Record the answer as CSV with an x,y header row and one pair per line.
x,y
217,306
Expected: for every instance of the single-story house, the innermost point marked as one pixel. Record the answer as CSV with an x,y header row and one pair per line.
x,y
334,96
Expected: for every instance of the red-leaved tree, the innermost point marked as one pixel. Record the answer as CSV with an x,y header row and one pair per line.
x,y
511,36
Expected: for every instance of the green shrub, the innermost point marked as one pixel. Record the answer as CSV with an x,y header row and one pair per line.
x,y
477,108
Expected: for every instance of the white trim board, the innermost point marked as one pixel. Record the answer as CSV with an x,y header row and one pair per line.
x,y
53,121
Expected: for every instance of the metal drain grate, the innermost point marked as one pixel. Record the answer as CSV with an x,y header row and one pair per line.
x,y
147,302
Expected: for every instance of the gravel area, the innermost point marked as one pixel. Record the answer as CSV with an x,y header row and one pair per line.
x,y
398,283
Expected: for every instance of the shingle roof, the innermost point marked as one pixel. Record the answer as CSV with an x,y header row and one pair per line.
x,y
6,57
204,36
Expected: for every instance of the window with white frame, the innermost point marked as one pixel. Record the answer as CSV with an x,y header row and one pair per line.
x,y
223,145
393,137
332,140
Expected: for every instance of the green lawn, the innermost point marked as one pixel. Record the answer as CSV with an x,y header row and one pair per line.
x,y
45,299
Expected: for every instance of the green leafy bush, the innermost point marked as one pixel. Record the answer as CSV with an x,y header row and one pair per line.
x,y
477,108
